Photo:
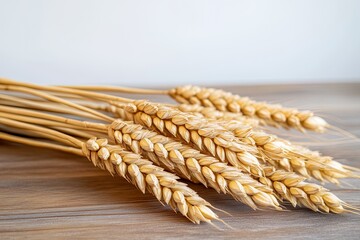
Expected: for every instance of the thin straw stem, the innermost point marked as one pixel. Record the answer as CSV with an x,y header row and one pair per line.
x,y
35,120
45,106
82,124
120,89
50,134
54,99
75,132
37,143
66,90
65,128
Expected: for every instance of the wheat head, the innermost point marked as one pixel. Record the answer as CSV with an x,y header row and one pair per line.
x,y
144,175
293,188
275,115
208,137
293,158
218,139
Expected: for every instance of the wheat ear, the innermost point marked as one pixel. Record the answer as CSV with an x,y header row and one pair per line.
x,y
292,187
270,114
292,158
208,137
192,164
143,174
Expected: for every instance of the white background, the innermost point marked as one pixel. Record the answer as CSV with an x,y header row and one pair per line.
x,y
163,43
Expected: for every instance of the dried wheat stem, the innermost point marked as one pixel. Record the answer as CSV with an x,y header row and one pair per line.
x,y
269,113
54,99
36,143
62,121
119,89
42,122
192,164
48,133
44,106
87,94
208,137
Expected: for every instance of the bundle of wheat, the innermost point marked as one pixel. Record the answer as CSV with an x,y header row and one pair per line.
x,y
213,138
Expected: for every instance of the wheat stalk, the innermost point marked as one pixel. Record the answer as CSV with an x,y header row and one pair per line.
x,y
271,114
192,164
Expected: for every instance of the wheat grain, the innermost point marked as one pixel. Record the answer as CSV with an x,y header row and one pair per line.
x,y
271,114
192,164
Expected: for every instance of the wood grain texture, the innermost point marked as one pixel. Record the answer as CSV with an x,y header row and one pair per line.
x,y
48,194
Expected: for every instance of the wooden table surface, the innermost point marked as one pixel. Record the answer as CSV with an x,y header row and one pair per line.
x,y
48,194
